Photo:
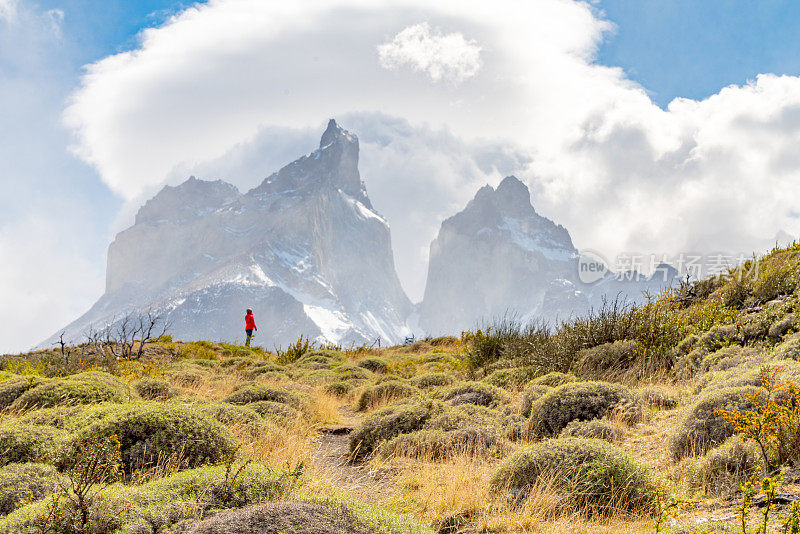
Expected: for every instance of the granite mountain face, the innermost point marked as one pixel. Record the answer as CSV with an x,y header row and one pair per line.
x,y
305,249
498,257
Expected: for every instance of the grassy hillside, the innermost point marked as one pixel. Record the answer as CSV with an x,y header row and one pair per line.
x,y
610,423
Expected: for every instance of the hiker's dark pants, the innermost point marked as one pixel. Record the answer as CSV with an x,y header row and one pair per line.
x,y
249,335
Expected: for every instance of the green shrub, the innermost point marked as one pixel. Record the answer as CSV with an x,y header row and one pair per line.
x,y
153,389
272,410
234,415
723,469
12,388
463,415
597,476
349,372
320,360
581,401
438,444
474,393
607,359
596,429
20,483
339,388
387,423
85,388
702,427
374,364
781,327
658,397
789,349
384,392
298,517
20,443
295,351
171,504
260,392
531,395
70,418
513,378
149,431
432,380
553,379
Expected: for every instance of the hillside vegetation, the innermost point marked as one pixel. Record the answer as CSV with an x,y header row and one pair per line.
x,y
679,415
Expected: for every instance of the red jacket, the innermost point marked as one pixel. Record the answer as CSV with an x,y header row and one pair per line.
x,y
250,322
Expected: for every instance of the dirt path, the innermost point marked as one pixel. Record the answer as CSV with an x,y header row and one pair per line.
x,y
331,453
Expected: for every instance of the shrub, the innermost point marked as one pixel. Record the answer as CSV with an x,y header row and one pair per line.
x,y
581,401
299,517
387,391
294,351
725,468
151,432
272,410
789,349
438,444
319,360
70,418
259,392
86,388
702,426
26,482
153,389
338,388
658,397
531,395
234,415
781,327
432,380
596,428
20,443
553,379
12,388
608,359
455,417
374,364
513,378
474,393
387,423
598,476
348,372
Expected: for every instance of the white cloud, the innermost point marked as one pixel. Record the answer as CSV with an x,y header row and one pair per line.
x,y
619,172
442,56
8,10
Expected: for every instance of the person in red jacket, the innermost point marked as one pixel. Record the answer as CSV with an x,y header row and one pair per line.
x,y
249,326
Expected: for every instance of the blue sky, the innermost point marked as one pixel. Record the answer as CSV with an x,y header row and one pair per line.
x,y
59,211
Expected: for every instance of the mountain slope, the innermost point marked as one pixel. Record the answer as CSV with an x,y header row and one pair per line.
x,y
305,249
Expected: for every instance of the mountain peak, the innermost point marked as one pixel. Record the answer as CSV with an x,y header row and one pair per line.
x,y
515,197
333,133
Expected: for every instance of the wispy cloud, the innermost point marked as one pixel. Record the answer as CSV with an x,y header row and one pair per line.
x,y
441,56
8,10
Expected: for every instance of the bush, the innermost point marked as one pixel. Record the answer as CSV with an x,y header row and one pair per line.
x,y
531,395
374,364
387,423
319,360
455,417
234,415
702,426
339,388
724,469
474,393
272,410
598,477
513,378
26,482
387,391
789,349
348,372
438,444
658,397
70,418
432,380
153,389
85,388
553,379
298,517
607,359
596,429
781,327
581,401
20,443
259,392
12,388
150,432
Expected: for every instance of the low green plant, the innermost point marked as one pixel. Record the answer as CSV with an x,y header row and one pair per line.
x,y
295,351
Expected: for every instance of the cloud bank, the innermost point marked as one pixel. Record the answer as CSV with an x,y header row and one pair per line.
x,y
525,96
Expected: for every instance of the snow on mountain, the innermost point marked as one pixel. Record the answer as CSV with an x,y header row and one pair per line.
x,y
305,250
499,257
